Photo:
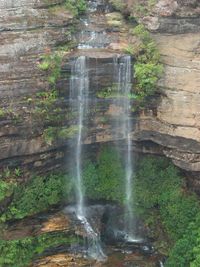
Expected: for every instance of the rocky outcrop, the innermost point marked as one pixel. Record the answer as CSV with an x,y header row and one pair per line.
x,y
167,16
29,29
175,124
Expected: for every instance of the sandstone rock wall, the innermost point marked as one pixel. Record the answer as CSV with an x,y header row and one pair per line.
x,y
175,125
28,30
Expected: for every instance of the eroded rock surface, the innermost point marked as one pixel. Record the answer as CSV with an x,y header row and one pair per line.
x,y
176,124
30,29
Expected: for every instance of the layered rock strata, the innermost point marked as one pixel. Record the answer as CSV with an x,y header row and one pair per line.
x,y
30,29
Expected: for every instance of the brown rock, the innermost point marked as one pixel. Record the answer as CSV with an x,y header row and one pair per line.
x,y
166,8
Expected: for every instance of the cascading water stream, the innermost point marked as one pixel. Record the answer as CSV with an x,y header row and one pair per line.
x,y
126,86
79,90
78,97
124,74
92,36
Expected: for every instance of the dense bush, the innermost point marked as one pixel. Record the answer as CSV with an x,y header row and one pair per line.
x,y
38,195
76,6
104,179
147,68
109,176
19,253
6,189
158,189
159,186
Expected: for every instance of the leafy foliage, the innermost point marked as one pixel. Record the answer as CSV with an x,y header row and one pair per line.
x,y
52,134
2,112
51,62
159,186
147,69
104,179
77,7
118,4
6,189
8,181
18,253
39,194
147,76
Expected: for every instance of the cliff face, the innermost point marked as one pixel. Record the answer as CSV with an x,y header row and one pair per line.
x,y
30,29
175,126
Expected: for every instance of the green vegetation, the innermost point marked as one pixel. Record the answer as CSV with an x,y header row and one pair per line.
x,y
6,189
19,253
147,69
138,8
51,62
109,92
45,105
160,197
104,179
2,113
38,195
8,112
112,92
143,9
50,108
77,7
8,181
52,134
159,187
118,4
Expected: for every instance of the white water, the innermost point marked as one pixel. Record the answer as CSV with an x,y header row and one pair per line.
x,y
92,37
79,85
124,124
79,90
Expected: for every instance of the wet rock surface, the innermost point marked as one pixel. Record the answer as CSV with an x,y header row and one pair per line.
x,y
118,254
115,259
30,29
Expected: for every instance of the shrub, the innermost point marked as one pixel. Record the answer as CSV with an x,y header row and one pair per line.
x,y
104,180
6,189
38,195
52,134
51,62
147,75
147,68
19,253
159,187
118,4
77,7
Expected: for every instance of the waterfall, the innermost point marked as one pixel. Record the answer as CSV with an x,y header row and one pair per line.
x,y
92,36
126,90
79,90
79,86
124,126
161,264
